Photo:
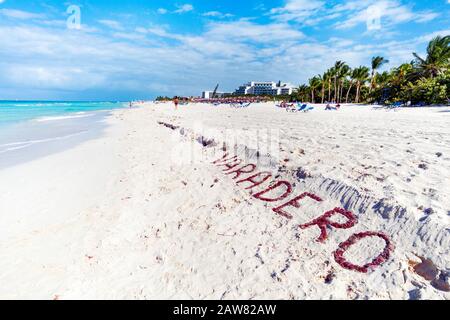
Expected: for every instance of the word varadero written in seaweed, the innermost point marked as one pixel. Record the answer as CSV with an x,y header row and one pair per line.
x,y
233,166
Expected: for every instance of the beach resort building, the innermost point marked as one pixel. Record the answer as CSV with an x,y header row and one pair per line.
x,y
265,88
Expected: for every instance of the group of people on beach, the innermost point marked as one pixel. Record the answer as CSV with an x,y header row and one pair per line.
x,y
179,100
230,100
283,104
329,107
136,102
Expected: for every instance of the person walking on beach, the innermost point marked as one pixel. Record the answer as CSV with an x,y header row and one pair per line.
x,y
175,102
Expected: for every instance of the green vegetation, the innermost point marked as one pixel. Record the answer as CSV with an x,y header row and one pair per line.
x,y
164,99
425,80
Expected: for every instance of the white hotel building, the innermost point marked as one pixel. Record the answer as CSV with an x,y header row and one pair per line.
x,y
265,88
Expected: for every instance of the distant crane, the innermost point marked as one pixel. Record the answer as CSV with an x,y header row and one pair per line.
x,y
279,84
215,91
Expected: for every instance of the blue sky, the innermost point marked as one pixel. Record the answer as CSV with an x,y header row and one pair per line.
x,y
134,49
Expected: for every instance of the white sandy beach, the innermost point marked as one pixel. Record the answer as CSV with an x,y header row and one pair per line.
x,y
129,216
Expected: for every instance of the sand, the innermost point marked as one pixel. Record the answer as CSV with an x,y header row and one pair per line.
x,y
143,213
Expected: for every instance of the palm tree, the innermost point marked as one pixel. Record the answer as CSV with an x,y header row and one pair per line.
x,y
313,84
330,74
437,60
343,73
403,73
361,75
302,92
384,78
353,77
336,72
377,62
323,82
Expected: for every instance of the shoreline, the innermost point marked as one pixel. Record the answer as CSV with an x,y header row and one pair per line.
x,y
28,140
130,215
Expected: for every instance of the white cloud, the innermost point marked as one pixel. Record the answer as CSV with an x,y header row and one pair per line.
x,y
352,6
19,14
217,14
430,36
54,23
350,13
427,16
58,78
105,65
79,61
392,12
184,8
297,10
234,32
112,24
180,9
160,31
243,30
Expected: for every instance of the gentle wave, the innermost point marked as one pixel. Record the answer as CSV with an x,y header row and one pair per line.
x,y
42,111
56,118
24,144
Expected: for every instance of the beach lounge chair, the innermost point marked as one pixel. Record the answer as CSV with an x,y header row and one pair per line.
x,y
377,107
395,106
308,108
302,107
296,108
331,108
240,105
420,104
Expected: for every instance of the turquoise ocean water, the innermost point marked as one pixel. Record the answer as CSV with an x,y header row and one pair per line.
x,y
17,111
33,129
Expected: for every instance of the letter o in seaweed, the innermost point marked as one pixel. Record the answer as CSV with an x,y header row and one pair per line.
x,y
379,260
